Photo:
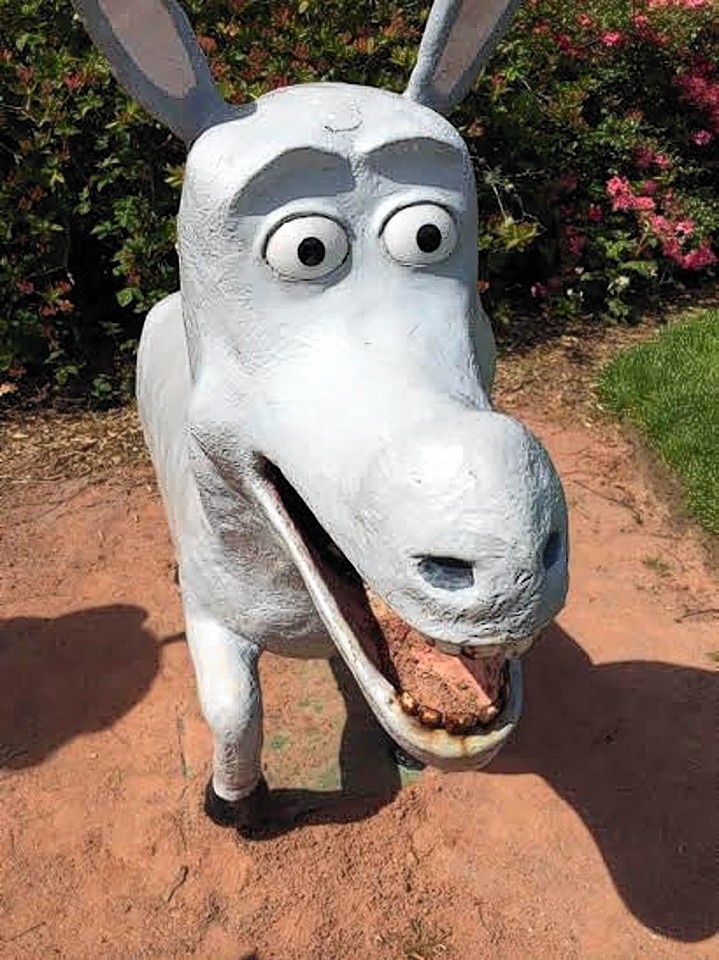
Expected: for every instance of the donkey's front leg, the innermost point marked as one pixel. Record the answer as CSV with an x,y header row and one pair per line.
x,y
231,701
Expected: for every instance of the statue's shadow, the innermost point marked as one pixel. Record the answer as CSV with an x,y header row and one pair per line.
x,y
369,776
70,675
633,747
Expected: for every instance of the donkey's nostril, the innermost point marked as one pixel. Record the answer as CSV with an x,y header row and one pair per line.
x,y
552,549
446,573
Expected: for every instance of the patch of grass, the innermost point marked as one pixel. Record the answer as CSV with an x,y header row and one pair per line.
x,y
669,389
657,566
422,941
279,741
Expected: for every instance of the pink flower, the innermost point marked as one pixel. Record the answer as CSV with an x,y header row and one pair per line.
x,y
702,138
673,237
617,185
642,203
661,227
620,193
595,213
703,256
686,4
584,20
623,197
538,290
25,286
644,156
696,88
650,187
612,38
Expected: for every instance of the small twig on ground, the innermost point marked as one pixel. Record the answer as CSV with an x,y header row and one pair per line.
x,y
714,611
24,933
619,502
59,504
180,736
179,880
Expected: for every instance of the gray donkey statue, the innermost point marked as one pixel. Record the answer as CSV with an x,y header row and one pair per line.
x,y
316,401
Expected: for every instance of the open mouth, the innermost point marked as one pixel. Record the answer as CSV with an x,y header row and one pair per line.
x,y
447,706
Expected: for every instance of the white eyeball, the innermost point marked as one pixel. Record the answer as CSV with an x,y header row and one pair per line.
x,y
422,234
307,248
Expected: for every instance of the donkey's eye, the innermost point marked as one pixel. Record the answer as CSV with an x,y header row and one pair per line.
x,y
421,234
307,248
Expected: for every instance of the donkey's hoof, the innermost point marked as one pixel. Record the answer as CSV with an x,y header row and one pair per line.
x,y
248,812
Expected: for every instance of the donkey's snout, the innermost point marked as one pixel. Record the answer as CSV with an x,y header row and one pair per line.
x,y
472,527
449,573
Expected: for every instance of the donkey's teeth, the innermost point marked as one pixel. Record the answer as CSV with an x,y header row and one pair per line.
x,y
429,717
460,722
408,703
488,713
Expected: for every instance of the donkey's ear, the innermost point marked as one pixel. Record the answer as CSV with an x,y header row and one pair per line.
x,y
155,55
459,38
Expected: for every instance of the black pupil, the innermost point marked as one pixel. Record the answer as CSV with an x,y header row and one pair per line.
x,y
311,252
429,238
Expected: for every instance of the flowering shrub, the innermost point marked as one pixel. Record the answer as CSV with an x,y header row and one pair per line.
x,y
602,125
594,133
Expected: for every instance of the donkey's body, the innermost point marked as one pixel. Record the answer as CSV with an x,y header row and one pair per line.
x,y
316,397
254,592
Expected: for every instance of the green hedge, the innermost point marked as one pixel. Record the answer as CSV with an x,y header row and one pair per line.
x,y
594,133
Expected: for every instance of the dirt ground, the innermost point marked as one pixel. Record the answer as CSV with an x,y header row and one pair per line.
x,y
593,835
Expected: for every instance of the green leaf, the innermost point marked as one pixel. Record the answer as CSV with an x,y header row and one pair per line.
x,y
125,296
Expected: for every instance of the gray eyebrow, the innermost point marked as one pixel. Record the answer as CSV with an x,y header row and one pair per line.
x,y
424,161
304,172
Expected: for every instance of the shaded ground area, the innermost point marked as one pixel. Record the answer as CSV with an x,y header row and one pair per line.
x,y
593,835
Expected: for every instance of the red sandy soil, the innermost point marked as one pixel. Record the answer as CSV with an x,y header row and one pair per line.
x,y
593,835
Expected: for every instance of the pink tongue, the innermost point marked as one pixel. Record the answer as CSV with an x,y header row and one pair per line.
x,y
436,679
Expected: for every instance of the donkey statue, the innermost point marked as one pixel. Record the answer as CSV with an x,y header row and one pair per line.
x,y
316,401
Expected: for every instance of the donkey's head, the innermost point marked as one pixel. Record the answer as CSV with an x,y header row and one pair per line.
x,y
341,364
